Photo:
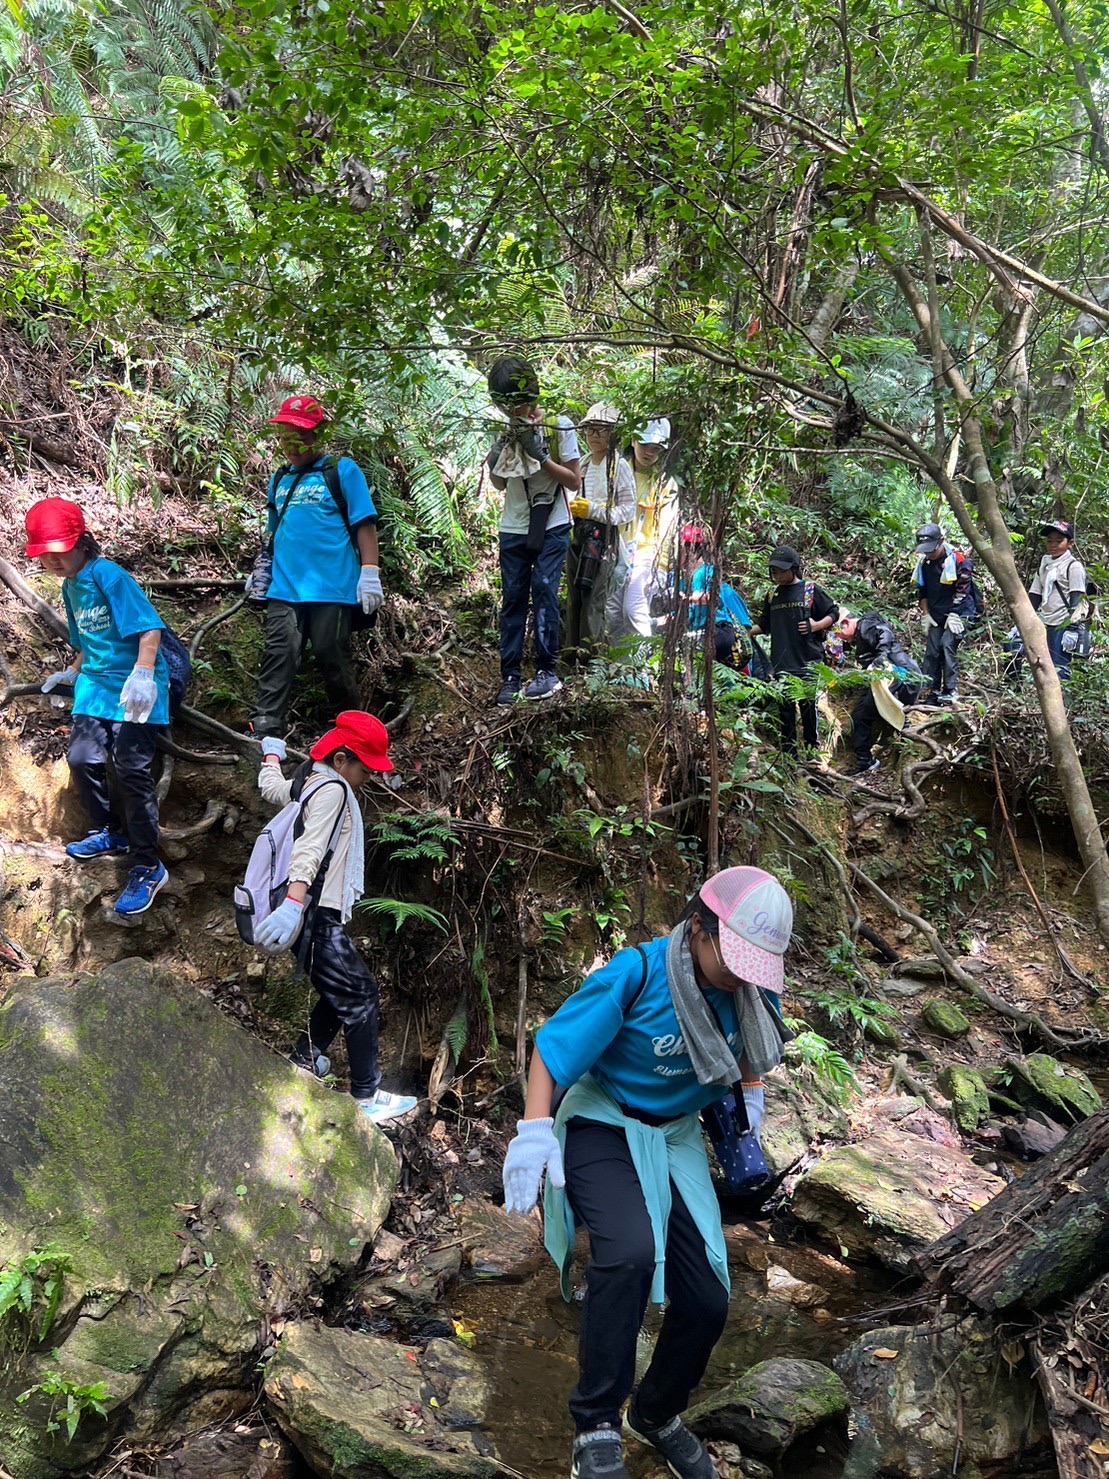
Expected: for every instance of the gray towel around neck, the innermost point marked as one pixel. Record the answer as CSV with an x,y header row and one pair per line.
x,y
709,1051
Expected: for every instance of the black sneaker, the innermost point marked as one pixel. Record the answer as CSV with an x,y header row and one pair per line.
x,y
685,1454
598,1455
864,767
510,690
543,685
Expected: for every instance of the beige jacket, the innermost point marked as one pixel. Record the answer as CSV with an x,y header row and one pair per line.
x,y
319,822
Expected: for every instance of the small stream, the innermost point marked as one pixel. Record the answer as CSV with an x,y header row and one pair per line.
x,y
527,1337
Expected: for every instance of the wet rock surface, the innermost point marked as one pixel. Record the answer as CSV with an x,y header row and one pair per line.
x,y
358,1407
198,1186
772,1405
928,1397
891,1195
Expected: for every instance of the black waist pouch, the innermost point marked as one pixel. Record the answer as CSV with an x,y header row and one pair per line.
x,y
538,515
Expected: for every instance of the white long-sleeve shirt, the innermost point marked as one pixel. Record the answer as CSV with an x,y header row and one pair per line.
x,y
319,823
595,490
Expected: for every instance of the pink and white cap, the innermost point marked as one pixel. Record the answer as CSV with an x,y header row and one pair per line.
x,y
756,920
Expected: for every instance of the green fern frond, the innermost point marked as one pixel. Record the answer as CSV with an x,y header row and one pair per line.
x,y
400,911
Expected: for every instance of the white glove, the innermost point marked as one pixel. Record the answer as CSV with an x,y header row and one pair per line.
x,y
271,745
955,625
67,675
754,1101
929,620
369,594
139,695
534,1150
279,929
1071,639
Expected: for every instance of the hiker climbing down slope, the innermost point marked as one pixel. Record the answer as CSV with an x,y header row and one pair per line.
x,y
606,500
650,1039
950,603
120,696
341,762
322,527
796,614
877,648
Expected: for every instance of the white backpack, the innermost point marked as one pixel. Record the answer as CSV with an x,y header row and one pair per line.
x,y
267,873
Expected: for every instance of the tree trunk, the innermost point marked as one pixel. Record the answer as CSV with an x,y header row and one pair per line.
x,y
1041,1239
1072,1366
996,552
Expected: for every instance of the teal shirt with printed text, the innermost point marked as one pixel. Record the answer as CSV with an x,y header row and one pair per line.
x,y
635,1053
314,557
108,613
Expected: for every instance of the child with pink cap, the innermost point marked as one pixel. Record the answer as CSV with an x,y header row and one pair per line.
x,y
647,1042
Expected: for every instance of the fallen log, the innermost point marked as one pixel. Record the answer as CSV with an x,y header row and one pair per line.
x,y
1071,1357
1043,1238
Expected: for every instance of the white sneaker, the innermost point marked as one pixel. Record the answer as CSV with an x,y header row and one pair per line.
x,y
385,1106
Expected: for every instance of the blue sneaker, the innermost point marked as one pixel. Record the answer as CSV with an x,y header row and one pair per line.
x,y
543,685
384,1107
97,845
142,885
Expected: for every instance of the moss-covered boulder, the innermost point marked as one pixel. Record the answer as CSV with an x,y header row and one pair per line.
x,y
891,1195
945,1019
772,1405
930,1399
359,1407
194,1182
1042,1082
800,1110
966,1088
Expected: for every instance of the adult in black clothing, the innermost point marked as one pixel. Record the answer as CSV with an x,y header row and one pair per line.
x,y
795,614
950,602
876,645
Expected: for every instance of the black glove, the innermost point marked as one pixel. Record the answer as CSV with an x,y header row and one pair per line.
x,y
533,443
805,627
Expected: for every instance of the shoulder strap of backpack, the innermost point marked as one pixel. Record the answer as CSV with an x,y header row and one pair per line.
x,y
330,469
642,979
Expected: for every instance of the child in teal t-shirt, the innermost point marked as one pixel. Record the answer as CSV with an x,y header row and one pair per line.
x,y
120,696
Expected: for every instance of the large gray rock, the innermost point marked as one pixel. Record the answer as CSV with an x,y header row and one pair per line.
x,y
929,1397
359,1407
772,1405
891,1195
197,1184
799,1111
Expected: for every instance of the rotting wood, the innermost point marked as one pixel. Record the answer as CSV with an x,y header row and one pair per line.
x,y
1070,1353
1039,1240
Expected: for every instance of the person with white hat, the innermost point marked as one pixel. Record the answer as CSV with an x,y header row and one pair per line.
x,y
647,1042
649,537
606,500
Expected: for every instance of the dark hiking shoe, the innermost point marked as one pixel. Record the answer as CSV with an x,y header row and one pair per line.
x,y
510,690
543,685
864,767
598,1455
142,884
683,1451
97,845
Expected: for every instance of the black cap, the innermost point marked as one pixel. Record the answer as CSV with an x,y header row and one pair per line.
x,y
929,537
785,558
1059,526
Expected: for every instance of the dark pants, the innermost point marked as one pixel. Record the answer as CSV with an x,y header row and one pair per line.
x,y
605,1195
941,660
536,577
134,809
325,627
1062,660
348,999
787,718
865,715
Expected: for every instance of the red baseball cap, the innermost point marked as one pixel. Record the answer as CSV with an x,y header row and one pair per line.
x,y
54,525
361,734
302,411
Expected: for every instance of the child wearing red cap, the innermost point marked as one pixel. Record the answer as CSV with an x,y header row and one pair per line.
x,y
120,695
322,527
649,1040
355,747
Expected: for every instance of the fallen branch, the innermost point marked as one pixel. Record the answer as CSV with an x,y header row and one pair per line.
x,y
958,975
1065,962
212,814
214,621
393,724
19,587
197,584
901,1073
